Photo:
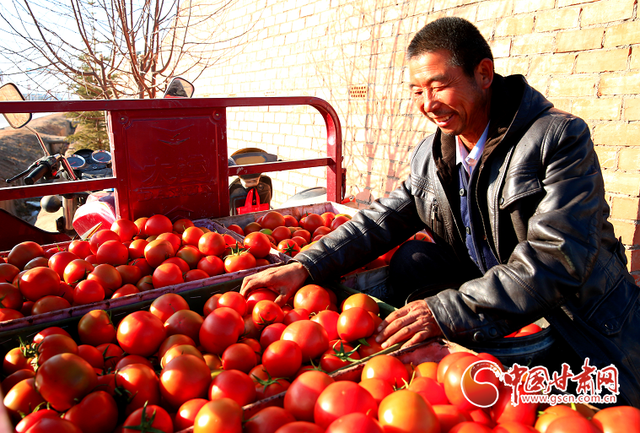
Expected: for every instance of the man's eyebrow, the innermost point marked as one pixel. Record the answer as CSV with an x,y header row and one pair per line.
x,y
438,77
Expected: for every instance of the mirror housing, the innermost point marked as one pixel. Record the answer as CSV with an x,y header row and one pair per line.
x,y
9,92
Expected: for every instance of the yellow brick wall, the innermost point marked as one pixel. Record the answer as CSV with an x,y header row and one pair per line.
x,y
583,55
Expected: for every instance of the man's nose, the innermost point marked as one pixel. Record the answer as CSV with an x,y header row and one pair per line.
x,y
429,102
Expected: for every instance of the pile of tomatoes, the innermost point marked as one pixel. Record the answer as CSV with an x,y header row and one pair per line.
x,y
289,235
129,257
173,361
171,368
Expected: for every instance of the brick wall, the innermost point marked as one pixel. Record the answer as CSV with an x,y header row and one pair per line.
x,y
583,55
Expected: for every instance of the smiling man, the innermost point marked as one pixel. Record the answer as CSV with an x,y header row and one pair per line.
x,y
511,190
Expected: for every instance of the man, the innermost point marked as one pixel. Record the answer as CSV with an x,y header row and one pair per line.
x,y
512,191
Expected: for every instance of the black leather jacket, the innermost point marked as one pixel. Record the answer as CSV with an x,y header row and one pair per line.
x,y
541,195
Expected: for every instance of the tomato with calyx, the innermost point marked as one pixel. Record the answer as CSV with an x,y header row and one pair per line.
x,y
140,382
265,313
96,328
239,261
182,224
288,247
388,368
149,418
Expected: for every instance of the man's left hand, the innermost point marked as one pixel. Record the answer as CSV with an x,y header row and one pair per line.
x,y
412,323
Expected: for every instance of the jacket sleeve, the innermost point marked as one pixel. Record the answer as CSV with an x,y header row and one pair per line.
x,y
563,237
370,233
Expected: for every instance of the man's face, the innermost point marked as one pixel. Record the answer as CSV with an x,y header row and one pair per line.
x,y
456,103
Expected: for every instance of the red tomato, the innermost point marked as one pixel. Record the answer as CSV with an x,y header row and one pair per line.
x,y
185,377
282,358
22,398
339,355
51,424
29,420
211,244
281,233
150,417
378,388
184,322
80,248
49,303
371,348
430,389
300,427
136,248
182,224
220,329
271,333
211,304
470,427
239,262
267,420
355,423
140,223
174,240
311,222
38,282
552,413
97,412
259,295
233,300
288,247
236,228
174,340
388,368
513,427
338,221
180,350
355,323
23,253
296,314
167,274
329,321
10,296
290,221
271,220
265,313
528,330
303,393
140,333
165,305
125,228
233,384
141,383
341,398
8,314
157,251
361,300
444,363
8,272
503,411
406,411
312,297
87,292
190,254
195,274
239,356
112,252
108,277
222,415
310,336
60,260
575,424
100,237
157,224
14,360
192,235
617,419
65,379
186,414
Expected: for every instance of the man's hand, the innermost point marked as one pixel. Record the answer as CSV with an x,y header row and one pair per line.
x,y
412,323
283,280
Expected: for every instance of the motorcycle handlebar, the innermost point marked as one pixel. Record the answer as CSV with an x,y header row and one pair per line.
x,y
38,173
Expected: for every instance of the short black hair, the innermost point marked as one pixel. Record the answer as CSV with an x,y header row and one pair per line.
x,y
456,35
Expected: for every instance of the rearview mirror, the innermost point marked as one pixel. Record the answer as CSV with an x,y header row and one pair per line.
x,y
179,88
9,92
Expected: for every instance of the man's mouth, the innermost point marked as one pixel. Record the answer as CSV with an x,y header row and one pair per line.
x,y
440,120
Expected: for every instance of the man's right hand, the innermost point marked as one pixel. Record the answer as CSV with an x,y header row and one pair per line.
x,y
283,280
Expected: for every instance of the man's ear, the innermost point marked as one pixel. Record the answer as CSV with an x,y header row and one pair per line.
x,y
484,73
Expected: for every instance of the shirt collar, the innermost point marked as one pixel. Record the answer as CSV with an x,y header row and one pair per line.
x,y
470,159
